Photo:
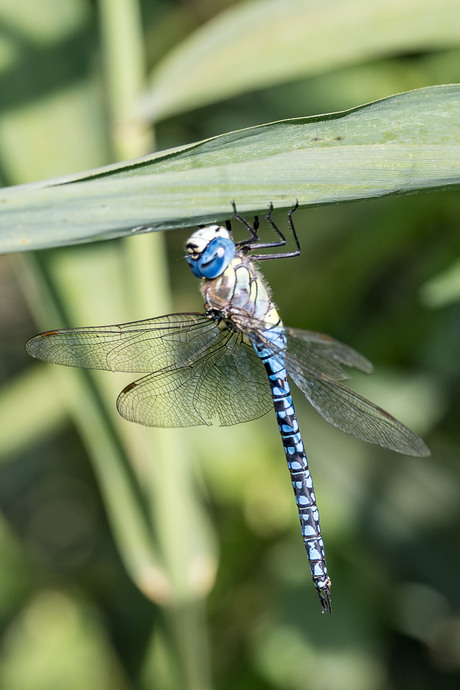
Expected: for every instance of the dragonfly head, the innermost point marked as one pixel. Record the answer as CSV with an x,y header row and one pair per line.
x,y
209,251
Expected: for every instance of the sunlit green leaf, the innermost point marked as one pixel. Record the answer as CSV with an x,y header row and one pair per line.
x,y
400,144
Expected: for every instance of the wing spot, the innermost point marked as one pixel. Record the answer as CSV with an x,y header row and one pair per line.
x,y
130,386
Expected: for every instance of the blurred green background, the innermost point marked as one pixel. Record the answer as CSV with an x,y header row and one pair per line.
x,y
135,558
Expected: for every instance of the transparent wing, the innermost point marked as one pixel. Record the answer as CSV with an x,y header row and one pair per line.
x,y
350,412
228,385
321,355
314,362
137,347
202,374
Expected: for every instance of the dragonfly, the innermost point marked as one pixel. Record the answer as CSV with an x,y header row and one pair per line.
x,y
232,364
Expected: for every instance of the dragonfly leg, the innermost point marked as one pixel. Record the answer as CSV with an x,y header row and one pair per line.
x,y
253,242
252,229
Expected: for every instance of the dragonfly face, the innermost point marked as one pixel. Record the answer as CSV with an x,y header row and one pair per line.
x,y
209,251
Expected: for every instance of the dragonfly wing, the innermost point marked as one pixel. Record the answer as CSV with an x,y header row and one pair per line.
x,y
138,347
350,412
322,355
228,385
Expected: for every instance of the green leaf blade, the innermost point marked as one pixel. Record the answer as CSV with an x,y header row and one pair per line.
x,y
404,143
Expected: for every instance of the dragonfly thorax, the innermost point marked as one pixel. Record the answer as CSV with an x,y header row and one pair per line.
x,y
209,251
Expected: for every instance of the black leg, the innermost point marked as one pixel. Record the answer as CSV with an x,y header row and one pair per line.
x,y
253,242
252,229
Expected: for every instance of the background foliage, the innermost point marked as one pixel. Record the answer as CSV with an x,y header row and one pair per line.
x,y
139,558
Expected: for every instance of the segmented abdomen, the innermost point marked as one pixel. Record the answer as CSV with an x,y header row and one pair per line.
x,y
302,482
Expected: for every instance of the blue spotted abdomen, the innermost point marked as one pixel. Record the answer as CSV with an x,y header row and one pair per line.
x,y
296,457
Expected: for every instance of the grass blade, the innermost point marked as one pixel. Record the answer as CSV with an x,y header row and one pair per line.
x,y
403,143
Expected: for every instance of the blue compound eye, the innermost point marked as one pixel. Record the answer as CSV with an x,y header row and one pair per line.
x,y
214,259
193,264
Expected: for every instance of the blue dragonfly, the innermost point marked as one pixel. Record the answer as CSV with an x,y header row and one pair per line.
x,y
231,364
